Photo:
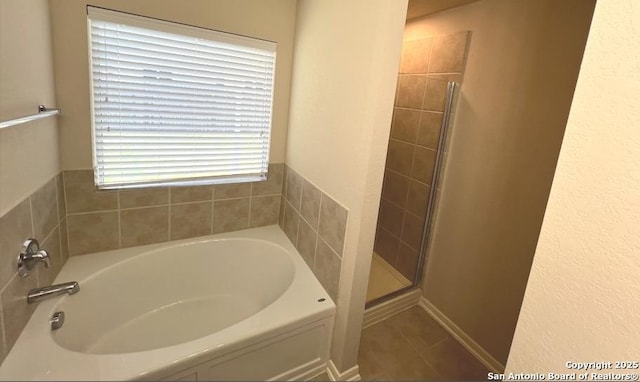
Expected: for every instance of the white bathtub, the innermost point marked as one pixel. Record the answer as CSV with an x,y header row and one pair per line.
x,y
235,306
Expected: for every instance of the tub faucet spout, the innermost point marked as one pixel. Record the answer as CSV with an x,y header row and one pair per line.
x,y
39,294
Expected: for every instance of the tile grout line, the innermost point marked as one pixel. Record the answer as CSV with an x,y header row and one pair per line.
x,y
4,334
399,206
406,176
66,212
119,219
315,250
55,182
166,205
169,213
62,261
169,222
397,248
420,357
59,226
332,250
32,235
250,200
213,198
4,288
400,241
419,110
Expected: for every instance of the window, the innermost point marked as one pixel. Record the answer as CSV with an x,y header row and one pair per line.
x,y
174,104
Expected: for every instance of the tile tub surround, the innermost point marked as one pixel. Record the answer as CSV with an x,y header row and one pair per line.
x,y
104,220
41,216
316,224
426,67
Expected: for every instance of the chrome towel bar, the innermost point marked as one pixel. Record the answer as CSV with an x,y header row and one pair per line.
x,y
43,112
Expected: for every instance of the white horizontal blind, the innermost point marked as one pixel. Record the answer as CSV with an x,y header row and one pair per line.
x,y
174,104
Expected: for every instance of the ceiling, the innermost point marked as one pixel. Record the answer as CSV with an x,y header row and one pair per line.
x,y
419,8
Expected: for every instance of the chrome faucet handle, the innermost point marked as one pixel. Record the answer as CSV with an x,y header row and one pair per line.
x,y
30,255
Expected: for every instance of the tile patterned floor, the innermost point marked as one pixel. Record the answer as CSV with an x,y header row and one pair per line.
x,y
412,346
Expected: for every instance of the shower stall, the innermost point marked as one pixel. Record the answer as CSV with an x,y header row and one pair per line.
x,y
431,72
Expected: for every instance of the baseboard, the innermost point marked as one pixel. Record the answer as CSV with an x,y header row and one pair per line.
x,y
390,308
304,373
473,347
352,374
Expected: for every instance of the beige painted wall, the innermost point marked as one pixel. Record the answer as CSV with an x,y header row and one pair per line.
x,y
583,297
521,70
345,65
29,154
268,19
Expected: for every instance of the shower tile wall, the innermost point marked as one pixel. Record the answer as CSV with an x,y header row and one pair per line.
x,y
316,225
40,216
426,67
105,220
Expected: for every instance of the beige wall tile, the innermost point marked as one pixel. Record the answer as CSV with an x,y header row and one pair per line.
x,y
15,310
144,197
429,130
93,232
407,261
273,184
264,210
333,223
448,53
390,217
307,239
294,188
415,56
82,196
423,164
15,228
64,243
435,95
412,230
230,215
142,226
327,268
405,125
44,210
310,203
191,194
418,198
52,246
386,245
231,191
62,206
395,188
290,224
400,157
410,91
190,220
